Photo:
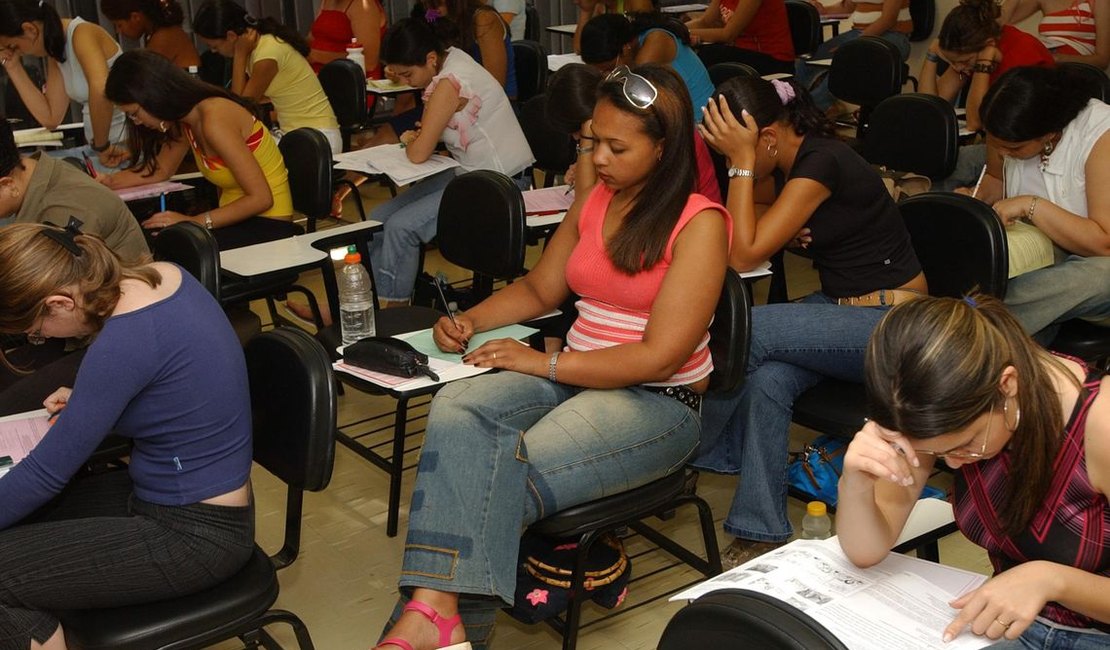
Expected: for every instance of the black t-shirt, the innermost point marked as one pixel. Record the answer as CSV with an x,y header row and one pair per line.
x,y
860,243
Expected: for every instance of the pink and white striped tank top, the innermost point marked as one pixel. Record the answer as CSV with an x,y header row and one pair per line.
x,y
1073,27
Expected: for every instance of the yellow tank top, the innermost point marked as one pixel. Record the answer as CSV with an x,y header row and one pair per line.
x,y
264,149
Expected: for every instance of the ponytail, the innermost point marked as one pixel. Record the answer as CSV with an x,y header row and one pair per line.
x,y
14,13
215,18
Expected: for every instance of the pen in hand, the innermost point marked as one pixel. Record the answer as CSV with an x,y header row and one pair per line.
x,y
443,298
975,192
162,202
570,188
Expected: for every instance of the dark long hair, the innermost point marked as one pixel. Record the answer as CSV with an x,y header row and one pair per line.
x,y
571,96
166,92
13,13
215,18
9,153
641,240
933,366
409,41
762,101
1028,103
160,13
604,36
456,29
969,26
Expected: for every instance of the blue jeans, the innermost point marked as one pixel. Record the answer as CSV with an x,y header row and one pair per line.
x,y
794,346
806,75
409,222
76,152
969,164
504,450
1042,635
1078,287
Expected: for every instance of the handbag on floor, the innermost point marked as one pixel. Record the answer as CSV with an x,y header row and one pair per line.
x,y
815,471
546,567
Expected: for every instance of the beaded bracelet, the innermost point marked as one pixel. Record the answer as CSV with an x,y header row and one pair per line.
x,y
932,58
1031,210
551,366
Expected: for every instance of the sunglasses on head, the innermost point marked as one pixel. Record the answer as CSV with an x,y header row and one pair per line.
x,y
639,92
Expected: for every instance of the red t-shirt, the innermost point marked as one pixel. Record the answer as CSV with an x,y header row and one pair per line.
x,y
1020,49
768,32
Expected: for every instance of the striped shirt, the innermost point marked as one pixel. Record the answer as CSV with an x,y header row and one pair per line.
x,y
1073,28
868,12
614,307
1071,528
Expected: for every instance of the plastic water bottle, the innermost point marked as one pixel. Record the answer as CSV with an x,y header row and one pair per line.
x,y
356,306
354,53
816,523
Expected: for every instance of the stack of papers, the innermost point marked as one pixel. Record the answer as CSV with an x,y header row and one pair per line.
x,y
390,159
39,137
550,200
20,433
387,87
154,189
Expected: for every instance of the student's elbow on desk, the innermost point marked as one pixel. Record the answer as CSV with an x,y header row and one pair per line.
x,y
416,156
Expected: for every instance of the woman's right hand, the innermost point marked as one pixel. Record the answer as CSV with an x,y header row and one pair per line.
x,y
734,138
453,336
877,453
57,400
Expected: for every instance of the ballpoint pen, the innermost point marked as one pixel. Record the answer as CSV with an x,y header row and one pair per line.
x,y
88,165
570,188
979,182
443,298
162,202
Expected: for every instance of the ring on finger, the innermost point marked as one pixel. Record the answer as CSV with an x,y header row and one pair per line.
x,y
1003,624
494,355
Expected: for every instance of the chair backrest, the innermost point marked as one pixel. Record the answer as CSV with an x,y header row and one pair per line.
x,y
344,83
722,72
730,334
307,155
866,71
740,618
531,69
923,13
480,227
805,26
193,248
959,241
533,24
913,132
553,150
293,406
1095,79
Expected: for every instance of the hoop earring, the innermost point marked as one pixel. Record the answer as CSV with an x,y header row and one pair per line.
x,y
1006,413
772,150
1048,148
162,126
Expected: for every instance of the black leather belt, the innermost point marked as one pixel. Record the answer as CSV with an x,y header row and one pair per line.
x,y
683,394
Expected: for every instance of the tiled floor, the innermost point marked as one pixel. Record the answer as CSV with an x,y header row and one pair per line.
x,y
343,585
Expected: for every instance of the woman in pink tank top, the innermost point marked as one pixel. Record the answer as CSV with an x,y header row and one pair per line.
x,y
615,410
1027,432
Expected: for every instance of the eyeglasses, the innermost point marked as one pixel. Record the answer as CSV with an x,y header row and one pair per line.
x,y
962,454
639,92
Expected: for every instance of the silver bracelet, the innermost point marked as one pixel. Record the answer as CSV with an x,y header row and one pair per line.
x,y
551,366
208,220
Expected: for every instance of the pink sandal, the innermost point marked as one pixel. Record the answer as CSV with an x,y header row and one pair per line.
x,y
445,626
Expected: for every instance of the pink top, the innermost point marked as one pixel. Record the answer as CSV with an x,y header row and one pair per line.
x,y
614,307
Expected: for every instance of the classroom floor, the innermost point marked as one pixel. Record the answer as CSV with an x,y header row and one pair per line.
x,y
343,585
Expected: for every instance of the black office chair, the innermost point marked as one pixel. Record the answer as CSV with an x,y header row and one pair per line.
x,y
961,246
533,24
531,69
1095,79
553,150
192,247
805,26
480,227
293,406
1084,340
865,72
722,72
588,522
344,83
913,132
923,13
741,618
307,155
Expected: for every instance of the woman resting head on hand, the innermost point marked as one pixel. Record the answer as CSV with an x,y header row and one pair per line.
x,y
1029,435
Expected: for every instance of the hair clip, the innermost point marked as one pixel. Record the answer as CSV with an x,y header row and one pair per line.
x,y
971,301
250,20
431,15
66,236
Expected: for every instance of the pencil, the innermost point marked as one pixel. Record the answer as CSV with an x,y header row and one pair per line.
x,y
162,202
979,182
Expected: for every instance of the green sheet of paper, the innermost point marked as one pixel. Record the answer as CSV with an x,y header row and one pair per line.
x,y
423,342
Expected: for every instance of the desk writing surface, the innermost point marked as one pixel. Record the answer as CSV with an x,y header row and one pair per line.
x,y
271,256
556,61
562,29
820,63
388,87
310,237
681,9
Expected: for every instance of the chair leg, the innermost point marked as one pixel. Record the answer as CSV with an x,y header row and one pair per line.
x,y
578,593
354,192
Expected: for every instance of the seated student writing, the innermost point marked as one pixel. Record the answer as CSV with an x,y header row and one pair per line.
x,y
165,370
555,430
158,24
173,113
773,134
268,60
1028,434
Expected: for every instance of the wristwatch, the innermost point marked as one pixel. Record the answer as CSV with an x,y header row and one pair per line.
x,y
208,220
734,172
102,148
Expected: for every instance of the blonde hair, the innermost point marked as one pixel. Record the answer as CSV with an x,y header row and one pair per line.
x,y
933,366
34,266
